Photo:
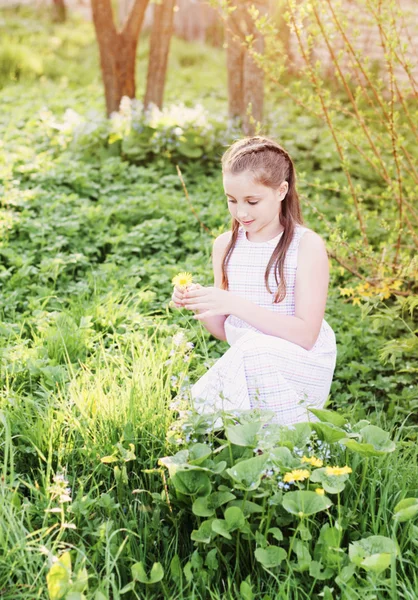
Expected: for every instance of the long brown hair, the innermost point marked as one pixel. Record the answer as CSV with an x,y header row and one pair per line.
x,y
270,165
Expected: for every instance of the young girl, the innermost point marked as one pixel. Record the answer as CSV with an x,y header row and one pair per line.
x,y
270,288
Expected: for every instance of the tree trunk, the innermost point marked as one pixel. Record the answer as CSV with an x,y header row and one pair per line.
x,y
245,78
235,64
162,30
59,12
117,50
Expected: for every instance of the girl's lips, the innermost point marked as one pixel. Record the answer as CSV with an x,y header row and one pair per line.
x,y
247,222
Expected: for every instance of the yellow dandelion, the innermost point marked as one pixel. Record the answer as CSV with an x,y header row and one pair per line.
x,y
312,460
296,475
356,301
320,491
338,470
182,279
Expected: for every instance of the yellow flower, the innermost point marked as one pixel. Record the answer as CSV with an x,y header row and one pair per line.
x,y
315,462
346,291
338,470
296,475
182,279
320,491
356,301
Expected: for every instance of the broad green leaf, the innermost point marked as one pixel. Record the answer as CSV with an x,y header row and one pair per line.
x,y
244,435
374,442
333,484
328,546
201,507
247,473
180,458
234,518
304,558
304,503
58,580
296,435
198,453
220,526
329,433
270,557
246,591
211,561
373,553
139,574
203,535
175,568
217,499
282,457
276,533
81,583
329,416
406,509
317,571
129,587
247,507
191,482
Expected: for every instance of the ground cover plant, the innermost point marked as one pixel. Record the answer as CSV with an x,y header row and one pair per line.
x,y
110,488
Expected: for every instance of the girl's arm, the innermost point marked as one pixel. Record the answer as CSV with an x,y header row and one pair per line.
x,y
311,289
215,323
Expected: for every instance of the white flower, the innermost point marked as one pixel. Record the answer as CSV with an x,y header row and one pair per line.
x,y
179,338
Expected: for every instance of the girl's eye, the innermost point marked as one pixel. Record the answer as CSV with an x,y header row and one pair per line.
x,y
234,201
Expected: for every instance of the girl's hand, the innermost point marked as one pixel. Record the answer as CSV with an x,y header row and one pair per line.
x,y
208,301
178,294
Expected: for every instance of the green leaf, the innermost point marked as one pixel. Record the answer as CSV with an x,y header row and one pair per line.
x,y
406,509
296,435
175,568
247,473
129,587
333,484
329,433
304,558
217,499
211,561
283,458
244,435
139,574
373,553
328,416
374,442
304,503
203,535
201,508
191,482
247,507
234,518
270,557
246,591
220,526
315,570
276,533
198,453
58,577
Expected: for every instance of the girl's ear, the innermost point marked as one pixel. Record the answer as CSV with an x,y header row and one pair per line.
x,y
283,189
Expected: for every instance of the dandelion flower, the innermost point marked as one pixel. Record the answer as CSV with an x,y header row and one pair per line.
x,y
312,460
182,279
338,470
320,491
296,475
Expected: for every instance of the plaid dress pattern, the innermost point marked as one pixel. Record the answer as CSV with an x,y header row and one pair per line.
x,y
260,370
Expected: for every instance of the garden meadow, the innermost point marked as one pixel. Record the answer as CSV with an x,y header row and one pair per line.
x,y
111,487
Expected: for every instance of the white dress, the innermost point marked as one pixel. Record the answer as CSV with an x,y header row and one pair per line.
x,y
260,370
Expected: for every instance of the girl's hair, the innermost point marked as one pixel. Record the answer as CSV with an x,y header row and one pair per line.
x,y
270,165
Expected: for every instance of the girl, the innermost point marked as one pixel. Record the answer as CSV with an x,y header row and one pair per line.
x,y
270,288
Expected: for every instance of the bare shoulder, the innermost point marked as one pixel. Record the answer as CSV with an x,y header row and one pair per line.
x,y
312,248
221,242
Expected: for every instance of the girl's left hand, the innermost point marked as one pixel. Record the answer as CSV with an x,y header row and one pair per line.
x,y
209,301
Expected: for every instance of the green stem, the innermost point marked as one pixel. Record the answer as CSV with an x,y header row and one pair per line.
x,y
363,479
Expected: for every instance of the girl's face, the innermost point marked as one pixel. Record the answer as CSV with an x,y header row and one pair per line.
x,y
255,206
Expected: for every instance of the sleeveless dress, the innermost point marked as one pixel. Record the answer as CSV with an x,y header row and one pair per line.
x,y
261,370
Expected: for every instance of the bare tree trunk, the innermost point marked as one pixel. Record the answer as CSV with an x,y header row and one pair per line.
x,y
245,78
117,50
162,30
59,11
235,63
